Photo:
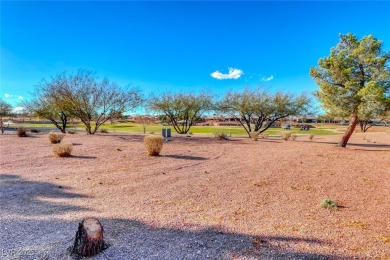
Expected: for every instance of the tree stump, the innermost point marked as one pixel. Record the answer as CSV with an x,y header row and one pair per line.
x,y
89,238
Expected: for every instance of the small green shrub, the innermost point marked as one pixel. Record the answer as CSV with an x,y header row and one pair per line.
x,y
62,150
329,204
311,136
285,135
55,138
104,130
153,144
221,136
293,137
21,131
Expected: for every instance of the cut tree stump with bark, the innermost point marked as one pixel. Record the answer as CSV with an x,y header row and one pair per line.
x,y
89,238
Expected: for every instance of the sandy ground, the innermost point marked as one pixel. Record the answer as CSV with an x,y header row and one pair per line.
x,y
202,198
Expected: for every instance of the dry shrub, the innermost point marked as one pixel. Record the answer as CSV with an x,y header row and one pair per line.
x,y
285,135
153,144
293,137
254,136
71,132
21,131
33,130
56,138
62,150
104,131
221,136
265,136
311,136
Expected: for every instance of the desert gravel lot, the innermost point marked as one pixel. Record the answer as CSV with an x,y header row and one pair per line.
x,y
202,198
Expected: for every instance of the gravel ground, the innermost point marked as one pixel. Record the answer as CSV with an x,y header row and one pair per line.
x,y
200,199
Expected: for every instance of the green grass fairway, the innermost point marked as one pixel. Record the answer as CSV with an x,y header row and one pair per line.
x,y
233,130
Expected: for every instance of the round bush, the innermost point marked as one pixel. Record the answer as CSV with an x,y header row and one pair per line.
x,y
55,138
62,150
153,144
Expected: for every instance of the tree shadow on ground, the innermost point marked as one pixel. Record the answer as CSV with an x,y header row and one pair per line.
x,y
367,145
144,241
133,239
30,228
27,198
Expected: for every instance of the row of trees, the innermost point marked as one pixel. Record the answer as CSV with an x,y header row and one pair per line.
x,y
256,110
83,96
354,81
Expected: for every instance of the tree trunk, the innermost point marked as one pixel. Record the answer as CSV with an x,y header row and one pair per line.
x,y
361,124
89,238
1,126
352,124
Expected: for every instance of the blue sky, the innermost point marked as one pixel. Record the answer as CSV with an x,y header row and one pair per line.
x,y
184,46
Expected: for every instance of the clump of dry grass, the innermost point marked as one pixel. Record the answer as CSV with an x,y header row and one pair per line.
x,y
62,150
153,144
21,131
104,130
264,135
293,137
254,136
285,135
221,136
56,138
311,136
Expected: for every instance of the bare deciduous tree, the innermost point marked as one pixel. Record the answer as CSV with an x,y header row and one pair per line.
x,y
144,120
95,102
5,109
183,110
47,104
84,96
257,110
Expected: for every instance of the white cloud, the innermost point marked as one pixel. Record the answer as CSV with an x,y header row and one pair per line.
x,y
233,74
20,97
267,78
19,109
7,95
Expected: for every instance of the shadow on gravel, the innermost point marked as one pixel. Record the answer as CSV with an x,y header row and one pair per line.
x,y
185,157
34,232
82,157
367,145
132,239
32,198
